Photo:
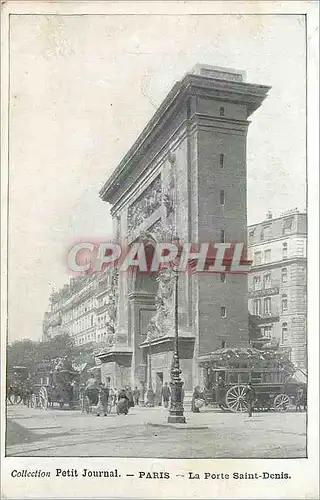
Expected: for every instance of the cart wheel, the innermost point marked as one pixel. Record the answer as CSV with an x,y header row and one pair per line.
x,y
281,402
15,399
33,401
43,398
235,398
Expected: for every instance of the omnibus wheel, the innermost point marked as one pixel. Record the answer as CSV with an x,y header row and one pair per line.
x,y
235,398
281,402
43,398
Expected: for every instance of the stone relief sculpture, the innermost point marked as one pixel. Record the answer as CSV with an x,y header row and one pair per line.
x,y
112,310
163,321
145,205
118,227
156,230
169,195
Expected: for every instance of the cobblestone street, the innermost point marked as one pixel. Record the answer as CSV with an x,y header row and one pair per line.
x,y
144,433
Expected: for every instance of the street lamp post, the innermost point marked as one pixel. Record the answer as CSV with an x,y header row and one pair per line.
x,y
150,393
176,415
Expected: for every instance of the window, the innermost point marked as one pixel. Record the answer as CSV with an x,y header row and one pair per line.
x,y
223,312
284,303
300,248
267,332
221,111
222,236
257,307
221,160
257,283
257,258
267,256
267,280
284,332
267,305
284,275
222,197
223,277
284,250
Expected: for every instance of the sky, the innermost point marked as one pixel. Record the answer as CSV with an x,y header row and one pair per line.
x,y
82,88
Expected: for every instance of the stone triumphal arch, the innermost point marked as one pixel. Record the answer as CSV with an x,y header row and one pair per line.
x,y
185,175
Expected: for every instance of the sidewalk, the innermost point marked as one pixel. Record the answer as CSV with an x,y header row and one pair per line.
x,y
144,432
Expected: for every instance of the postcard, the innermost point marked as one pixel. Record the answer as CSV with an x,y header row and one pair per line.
x,y
160,249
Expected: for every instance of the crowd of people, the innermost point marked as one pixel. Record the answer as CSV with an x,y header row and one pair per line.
x,y
104,397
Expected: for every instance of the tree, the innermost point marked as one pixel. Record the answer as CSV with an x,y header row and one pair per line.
x,y
22,353
57,347
29,353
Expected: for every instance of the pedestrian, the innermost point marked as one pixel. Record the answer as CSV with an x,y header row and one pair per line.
x,y
136,395
165,394
197,400
103,400
299,399
220,392
250,395
129,394
82,395
92,391
123,403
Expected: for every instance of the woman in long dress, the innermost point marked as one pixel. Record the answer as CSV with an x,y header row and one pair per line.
x,y
197,398
123,403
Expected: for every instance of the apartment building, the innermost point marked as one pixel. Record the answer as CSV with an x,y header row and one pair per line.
x,y
277,284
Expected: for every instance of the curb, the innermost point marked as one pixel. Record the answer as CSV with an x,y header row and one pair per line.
x,y
179,426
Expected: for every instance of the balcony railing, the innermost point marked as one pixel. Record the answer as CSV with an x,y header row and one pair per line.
x,y
271,315
264,292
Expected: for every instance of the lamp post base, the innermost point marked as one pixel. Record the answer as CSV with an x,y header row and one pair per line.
x,y
173,418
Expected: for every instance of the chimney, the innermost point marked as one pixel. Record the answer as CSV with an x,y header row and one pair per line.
x,y
269,215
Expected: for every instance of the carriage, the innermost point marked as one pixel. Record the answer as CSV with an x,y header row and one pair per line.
x,y
17,383
56,384
273,376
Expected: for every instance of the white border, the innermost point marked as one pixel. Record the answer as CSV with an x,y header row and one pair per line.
x,y
304,472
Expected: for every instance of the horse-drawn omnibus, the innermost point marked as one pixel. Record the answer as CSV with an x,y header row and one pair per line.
x,y
56,383
227,371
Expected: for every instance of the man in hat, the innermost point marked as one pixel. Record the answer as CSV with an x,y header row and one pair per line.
x,y
166,393
103,399
250,395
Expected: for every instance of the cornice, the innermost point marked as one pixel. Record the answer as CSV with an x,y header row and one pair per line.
x,y
191,85
279,263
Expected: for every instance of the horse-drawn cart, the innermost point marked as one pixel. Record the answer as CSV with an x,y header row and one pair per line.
x,y
17,385
228,371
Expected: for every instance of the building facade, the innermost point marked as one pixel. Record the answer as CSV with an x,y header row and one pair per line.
x,y
185,176
80,309
277,282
